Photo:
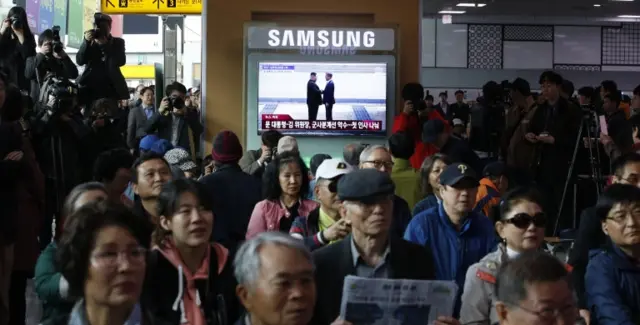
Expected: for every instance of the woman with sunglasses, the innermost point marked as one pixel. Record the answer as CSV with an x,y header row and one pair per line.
x,y
285,184
521,222
102,257
189,279
430,172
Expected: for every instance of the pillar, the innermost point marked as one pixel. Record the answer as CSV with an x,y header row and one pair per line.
x,y
224,32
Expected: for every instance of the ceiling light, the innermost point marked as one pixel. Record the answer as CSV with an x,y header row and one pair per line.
x,y
630,16
597,5
451,12
623,0
480,5
466,4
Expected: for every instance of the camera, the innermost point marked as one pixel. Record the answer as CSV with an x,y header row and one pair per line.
x,y
63,92
16,22
99,20
56,44
176,101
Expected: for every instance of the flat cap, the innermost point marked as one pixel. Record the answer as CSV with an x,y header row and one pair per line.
x,y
365,185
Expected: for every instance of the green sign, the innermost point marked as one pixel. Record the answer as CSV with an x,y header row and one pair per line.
x,y
60,16
76,28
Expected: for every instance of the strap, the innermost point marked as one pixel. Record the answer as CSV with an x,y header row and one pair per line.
x,y
192,144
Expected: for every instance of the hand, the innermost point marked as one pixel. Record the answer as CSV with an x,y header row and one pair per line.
x,y
208,169
586,315
446,320
15,156
408,107
338,230
5,24
531,137
546,138
164,105
88,35
179,111
635,135
46,48
605,139
61,55
266,154
339,321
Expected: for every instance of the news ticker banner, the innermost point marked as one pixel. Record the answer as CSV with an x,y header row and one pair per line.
x,y
152,7
285,122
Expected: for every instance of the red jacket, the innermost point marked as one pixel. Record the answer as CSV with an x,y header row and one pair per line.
x,y
410,124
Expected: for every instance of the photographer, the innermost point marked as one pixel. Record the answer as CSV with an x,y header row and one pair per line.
x,y
414,114
16,45
176,122
60,139
104,122
487,122
254,161
102,55
52,60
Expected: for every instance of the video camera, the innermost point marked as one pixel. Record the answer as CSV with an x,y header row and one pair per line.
x,y
99,21
56,44
59,94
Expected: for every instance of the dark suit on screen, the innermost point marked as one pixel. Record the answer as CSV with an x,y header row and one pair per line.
x,y
314,99
328,99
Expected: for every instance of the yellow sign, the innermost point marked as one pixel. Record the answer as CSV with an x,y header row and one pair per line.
x,y
152,7
138,71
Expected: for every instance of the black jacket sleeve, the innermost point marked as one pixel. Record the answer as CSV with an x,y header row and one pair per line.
x,y
589,236
156,123
70,69
86,53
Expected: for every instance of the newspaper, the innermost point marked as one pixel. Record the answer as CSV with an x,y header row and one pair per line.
x,y
367,301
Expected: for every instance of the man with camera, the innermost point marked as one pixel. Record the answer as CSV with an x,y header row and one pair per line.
x,y
102,55
51,61
176,122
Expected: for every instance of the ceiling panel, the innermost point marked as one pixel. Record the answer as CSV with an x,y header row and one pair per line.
x,y
577,8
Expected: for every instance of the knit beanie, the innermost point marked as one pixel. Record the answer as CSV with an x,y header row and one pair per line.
x,y
226,148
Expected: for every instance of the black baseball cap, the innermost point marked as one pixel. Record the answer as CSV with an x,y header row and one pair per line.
x,y
458,172
494,169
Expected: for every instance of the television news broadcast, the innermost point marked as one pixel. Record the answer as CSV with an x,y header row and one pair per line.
x,y
322,98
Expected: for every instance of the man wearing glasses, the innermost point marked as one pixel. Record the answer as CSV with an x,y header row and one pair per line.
x,y
378,157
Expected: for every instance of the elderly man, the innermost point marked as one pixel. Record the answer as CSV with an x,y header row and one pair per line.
x,y
535,288
275,280
378,157
371,250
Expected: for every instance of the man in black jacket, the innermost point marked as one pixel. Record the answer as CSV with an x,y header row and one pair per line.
x,y
371,250
102,55
314,97
435,132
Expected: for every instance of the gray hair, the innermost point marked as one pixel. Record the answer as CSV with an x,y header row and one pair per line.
x,y
368,151
247,262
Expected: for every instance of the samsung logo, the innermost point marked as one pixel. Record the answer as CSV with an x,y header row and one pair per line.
x,y
321,38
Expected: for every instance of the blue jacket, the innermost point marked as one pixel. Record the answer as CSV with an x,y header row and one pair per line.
x,y
427,203
453,251
613,288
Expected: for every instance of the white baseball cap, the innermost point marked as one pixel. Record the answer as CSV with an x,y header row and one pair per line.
x,y
457,121
333,167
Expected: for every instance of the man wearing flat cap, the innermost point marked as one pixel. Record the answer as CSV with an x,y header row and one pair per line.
x,y
370,250
457,236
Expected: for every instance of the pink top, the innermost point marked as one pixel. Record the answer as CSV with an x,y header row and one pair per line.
x,y
267,214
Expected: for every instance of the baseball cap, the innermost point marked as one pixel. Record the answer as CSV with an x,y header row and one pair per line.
x,y
431,130
457,121
331,168
496,168
455,173
147,142
287,143
180,158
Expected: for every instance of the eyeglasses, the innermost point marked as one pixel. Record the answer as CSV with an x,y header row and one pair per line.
x,y
523,220
621,218
111,259
379,163
551,314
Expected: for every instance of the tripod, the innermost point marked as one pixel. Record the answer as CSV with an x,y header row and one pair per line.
x,y
589,119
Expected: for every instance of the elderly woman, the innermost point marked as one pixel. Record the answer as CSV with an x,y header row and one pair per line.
x,y
101,255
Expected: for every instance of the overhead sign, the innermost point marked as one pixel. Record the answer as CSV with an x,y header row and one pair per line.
x,y
355,39
152,7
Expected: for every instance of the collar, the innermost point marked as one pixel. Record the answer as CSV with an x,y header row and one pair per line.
x,y
487,182
324,220
401,165
79,315
511,254
444,218
622,260
355,255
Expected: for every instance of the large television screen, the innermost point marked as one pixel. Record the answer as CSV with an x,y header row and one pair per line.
x,y
343,98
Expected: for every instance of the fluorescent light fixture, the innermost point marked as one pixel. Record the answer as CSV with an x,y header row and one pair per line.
x,y
623,0
451,12
630,16
597,5
480,5
466,4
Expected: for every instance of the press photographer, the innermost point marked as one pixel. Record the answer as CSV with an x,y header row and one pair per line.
x,y
102,55
16,45
488,121
60,139
51,61
176,122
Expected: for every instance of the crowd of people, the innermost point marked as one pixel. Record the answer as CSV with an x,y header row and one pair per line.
x,y
146,232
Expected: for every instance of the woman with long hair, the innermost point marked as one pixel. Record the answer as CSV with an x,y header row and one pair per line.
x,y
17,43
50,285
204,292
285,185
430,171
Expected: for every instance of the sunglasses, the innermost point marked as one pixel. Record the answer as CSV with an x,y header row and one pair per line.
x,y
523,220
332,186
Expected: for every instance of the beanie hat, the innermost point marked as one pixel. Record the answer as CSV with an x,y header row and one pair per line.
x,y
226,148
